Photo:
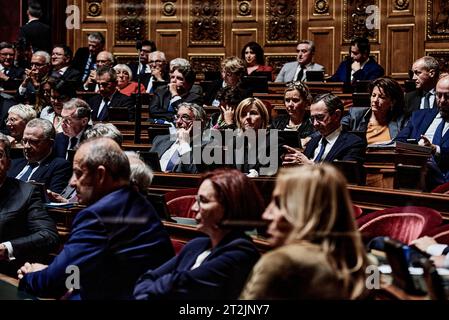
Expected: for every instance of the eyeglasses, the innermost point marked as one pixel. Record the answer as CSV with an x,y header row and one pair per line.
x,y
32,142
103,84
318,117
201,200
37,65
7,54
69,120
12,120
183,117
440,95
155,61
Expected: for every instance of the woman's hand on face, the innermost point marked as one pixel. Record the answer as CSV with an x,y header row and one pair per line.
x,y
228,114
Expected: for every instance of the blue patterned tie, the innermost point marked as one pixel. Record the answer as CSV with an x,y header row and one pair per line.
x,y
438,136
320,154
27,173
87,68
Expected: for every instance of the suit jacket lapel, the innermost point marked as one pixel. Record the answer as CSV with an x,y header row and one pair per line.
x,y
427,121
339,143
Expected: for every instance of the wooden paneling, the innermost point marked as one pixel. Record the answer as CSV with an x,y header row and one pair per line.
x,y
408,29
240,37
401,50
324,39
170,42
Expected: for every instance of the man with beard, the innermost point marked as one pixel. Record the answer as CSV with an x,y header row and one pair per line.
x,y
113,241
167,99
175,154
430,128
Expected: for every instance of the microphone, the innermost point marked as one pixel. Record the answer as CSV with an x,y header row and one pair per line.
x,y
139,45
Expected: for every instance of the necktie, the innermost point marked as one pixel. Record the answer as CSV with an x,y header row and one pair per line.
x,y
73,142
150,85
26,176
300,74
439,133
323,147
427,100
87,68
173,161
104,111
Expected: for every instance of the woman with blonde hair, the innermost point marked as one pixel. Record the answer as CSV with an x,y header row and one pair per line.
x,y
320,254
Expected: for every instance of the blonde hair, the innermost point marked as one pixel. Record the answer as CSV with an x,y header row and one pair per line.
x,y
248,103
317,203
234,65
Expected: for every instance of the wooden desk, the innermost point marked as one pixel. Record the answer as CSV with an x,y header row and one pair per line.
x,y
314,87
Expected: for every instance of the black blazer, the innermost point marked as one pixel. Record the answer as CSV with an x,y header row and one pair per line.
x,y
37,34
80,59
53,172
413,102
5,104
161,100
118,100
15,78
347,147
25,223
72,76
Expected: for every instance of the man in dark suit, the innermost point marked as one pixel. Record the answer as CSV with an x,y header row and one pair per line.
x,y
36,33
113,241
61,69
175,153
109,97
104,58
10,76
426,72
39,163
26,230
76,116
166,99
149,70
85,57
430,128
359,65
34,77
330,142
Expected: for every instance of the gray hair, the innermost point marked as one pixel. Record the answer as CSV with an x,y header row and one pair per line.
x,y
83,110
24,111
124,67
430,63
109,55
141,174
157,53
179,62
6,143
331,101
45,125
310,43
96,36
198,111
107,70
44,54
107,130
101,152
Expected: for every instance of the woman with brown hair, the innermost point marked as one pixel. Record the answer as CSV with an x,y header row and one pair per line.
x,y
319,252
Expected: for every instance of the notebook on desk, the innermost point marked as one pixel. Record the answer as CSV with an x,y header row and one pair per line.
x,y
314,76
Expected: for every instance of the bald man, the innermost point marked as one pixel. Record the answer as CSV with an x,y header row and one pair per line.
x,y
113,241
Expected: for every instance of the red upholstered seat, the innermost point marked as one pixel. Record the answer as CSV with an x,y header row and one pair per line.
x,y
440,234
442,188
357,211
177,245
180,202
401,223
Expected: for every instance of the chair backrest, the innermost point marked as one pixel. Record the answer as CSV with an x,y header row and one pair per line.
x,y
442,188
440,234
357,211
179,202
177,245
401,223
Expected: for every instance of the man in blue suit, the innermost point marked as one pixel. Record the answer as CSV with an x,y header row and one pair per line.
x,y
330,142
40,163
430,128
359,65
113,241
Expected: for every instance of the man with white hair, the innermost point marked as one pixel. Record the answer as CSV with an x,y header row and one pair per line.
x,y
34,77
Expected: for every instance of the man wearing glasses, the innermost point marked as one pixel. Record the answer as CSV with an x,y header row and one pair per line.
x,y
75,121
61,57
109,97
174,151
104,58
430,128
26,230
34,77
40,164
9,74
